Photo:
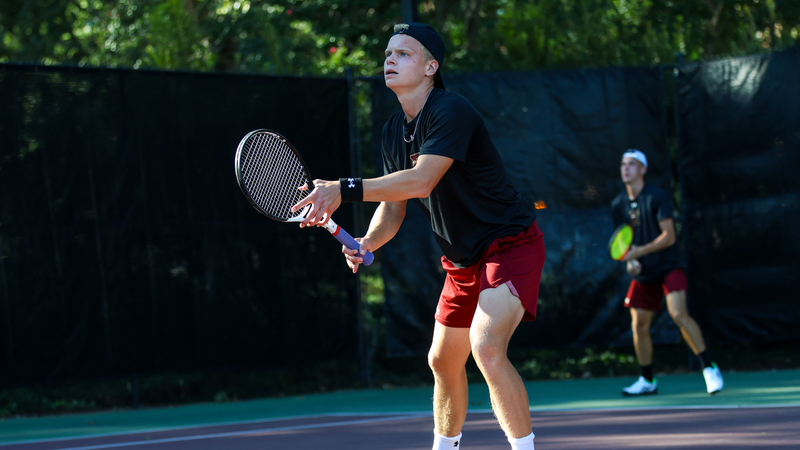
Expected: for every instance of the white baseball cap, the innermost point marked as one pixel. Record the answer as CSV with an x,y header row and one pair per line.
x,y
637,155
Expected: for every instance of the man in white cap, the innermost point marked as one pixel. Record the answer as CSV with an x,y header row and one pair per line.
x,y
655,263
437,152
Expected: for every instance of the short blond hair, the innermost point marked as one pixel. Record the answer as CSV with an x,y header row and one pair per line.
x,y
425,52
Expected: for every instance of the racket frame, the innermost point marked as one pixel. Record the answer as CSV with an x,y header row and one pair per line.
x,y
338,232
240,176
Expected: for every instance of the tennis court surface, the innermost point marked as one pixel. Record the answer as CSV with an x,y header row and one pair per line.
x,y
759,410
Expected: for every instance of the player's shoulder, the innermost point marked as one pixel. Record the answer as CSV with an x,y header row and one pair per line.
x,y
452,108
620,199
653,191
394,122
395,118
451,100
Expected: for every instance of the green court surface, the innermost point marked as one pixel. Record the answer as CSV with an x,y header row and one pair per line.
x,y
747,389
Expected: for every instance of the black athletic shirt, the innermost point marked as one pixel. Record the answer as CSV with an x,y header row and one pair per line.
x,y
474,203
643,214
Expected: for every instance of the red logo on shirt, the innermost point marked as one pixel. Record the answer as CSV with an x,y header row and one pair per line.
x,y
414,159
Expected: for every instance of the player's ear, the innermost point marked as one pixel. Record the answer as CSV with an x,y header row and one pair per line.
x,y
433,66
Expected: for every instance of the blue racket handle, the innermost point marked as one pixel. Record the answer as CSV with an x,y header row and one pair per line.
x,y
348,241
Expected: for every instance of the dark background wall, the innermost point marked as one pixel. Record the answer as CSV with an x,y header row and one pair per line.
x,y
739,124
125,244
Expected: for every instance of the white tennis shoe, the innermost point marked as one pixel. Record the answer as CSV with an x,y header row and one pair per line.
x,y
641,387
713,378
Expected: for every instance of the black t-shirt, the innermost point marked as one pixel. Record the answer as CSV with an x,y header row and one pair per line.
x,y
643,214
474,203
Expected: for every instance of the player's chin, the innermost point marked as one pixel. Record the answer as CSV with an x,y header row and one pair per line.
x,y
392,81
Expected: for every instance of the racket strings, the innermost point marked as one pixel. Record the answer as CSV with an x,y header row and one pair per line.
x,y
620,242
272,173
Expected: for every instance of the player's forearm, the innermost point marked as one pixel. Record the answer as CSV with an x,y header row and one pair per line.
x,y
385,223
397,186
663,241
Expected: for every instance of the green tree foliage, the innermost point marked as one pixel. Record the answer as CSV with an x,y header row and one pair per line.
x,y
525,34
221,35
317,37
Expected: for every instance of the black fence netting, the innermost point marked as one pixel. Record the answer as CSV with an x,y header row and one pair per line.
x,y
739,131
561,135
125,243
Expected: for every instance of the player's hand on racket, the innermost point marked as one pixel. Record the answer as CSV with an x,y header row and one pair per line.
x,y
324,200
634,253
355,258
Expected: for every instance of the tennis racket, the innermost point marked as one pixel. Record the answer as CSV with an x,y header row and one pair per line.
x,y
270,173
620,243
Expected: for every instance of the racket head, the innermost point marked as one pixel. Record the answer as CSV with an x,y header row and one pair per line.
x,y
270,170
620,243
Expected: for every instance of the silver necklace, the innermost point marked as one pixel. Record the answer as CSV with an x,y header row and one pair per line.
x,y
419,117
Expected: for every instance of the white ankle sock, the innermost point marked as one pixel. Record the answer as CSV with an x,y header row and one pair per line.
x,y
524,443
446,443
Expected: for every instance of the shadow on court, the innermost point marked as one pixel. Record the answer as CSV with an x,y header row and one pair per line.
x,y
693,428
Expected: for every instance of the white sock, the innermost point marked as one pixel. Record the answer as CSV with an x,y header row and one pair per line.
x,y
446,443
524,443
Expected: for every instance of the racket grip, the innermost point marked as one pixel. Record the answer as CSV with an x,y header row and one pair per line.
x,y
348,241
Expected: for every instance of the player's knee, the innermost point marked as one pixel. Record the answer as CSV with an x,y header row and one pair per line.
x,y
640,326
435,362
439,365
679,317
486,354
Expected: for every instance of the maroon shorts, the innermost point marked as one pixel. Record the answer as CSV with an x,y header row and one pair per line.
x,y
515,261
649,295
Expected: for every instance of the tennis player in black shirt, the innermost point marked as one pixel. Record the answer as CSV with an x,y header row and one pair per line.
x,y
437,152
656,266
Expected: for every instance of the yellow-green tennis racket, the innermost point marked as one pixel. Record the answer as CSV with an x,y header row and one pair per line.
x,y
620,243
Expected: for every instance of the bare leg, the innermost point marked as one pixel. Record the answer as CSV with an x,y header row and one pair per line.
x,y
676,303
498,315
640,323
447,357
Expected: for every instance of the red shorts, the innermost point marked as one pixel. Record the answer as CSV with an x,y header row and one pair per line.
x,y
516,261
649,295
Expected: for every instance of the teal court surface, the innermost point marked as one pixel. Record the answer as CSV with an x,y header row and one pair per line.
x,y
759,410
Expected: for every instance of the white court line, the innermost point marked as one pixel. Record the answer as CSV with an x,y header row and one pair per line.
x,y
242,433
671,407
207,425
663,407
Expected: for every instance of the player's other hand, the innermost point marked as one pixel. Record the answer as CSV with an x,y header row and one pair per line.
x,y
324,199
634,267
355,258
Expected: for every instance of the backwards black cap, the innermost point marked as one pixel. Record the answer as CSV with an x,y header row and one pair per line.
x,y
428,37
